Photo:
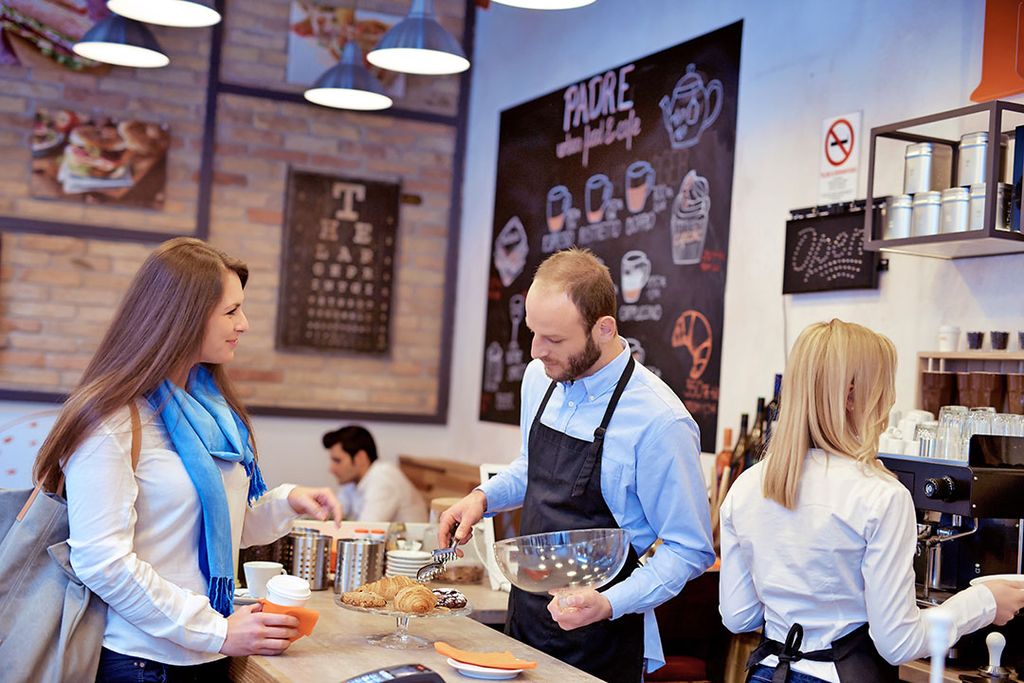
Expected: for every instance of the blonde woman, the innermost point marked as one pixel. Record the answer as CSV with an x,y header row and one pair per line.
x,y
159,544
818,539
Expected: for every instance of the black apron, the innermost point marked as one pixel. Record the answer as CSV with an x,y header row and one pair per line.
x,y
563,493
855,656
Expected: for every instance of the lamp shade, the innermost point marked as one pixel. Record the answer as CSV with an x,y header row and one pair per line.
x,y
348,85
123,42
178,13
546,4
419,45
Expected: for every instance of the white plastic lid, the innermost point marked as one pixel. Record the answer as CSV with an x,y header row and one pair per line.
x,y
291,587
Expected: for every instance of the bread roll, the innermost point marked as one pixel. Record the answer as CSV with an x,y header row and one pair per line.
x,y
417,599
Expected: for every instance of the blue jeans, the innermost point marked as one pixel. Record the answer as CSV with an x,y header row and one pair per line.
x,y
763,674
118,668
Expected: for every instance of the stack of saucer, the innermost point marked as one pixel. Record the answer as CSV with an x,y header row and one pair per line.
x,y
405,562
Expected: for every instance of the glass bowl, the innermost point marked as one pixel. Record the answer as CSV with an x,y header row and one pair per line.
x,y
540,563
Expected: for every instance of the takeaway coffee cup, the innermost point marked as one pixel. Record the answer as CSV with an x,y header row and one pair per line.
x,y
288,591
257,574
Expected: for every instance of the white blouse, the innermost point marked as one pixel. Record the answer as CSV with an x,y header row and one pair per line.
x,y
842,558
135,539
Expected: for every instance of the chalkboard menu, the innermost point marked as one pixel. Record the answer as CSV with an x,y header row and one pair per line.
x,y
337,264
825,250
634,163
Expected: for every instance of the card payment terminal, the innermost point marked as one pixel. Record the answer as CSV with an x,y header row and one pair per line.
x,y
404,673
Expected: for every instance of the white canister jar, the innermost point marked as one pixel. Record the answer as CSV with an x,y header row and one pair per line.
x,y
978,195
955,214
928,167
926,213
896,219
973,152
949,337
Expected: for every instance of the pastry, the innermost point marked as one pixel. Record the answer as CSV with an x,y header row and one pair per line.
x,y
363,599
389,586
450,598
417,599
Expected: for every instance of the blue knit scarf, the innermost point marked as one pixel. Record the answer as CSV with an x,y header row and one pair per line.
x,y
201,424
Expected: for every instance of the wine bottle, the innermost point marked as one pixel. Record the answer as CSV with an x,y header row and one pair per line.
x,y
756,437
740,449
773,410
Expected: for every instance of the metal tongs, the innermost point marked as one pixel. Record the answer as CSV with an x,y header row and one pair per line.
x,y
442,556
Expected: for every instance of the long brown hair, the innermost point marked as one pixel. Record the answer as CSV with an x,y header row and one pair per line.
x,y
157,331
837,391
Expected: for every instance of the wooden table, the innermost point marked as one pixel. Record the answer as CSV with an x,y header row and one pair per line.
x,y
338,650
489,606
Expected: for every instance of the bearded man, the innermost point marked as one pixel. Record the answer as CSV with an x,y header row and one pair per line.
x,y
605,444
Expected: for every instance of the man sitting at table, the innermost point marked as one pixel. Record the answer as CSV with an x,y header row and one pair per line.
x,y
371,490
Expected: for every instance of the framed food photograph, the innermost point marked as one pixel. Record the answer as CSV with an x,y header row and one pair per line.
x,y
98,159
318,32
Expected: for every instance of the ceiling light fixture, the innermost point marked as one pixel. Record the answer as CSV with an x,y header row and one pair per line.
x,y
178,13
546,4
419,45
349,85
122,42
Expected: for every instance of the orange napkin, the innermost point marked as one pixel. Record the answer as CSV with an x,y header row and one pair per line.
x,y
494,660
307,617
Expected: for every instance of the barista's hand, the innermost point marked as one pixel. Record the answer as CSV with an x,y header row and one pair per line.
x,y
1009,597
579,608
251,631
465,513
319,504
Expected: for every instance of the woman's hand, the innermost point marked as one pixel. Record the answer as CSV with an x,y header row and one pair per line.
x,y
319,504
251,631
1009,597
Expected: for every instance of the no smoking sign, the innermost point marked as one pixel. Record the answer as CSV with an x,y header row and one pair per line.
x,y
839,163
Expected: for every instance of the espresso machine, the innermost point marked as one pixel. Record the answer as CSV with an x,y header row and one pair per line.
x,y
969,525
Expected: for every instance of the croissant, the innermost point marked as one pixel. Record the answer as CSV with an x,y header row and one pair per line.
x,y
417,599
389,586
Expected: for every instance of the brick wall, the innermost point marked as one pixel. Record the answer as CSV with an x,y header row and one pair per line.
x,y
57,293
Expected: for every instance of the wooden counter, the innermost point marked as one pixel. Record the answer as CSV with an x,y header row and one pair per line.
x,y
918,670
338,650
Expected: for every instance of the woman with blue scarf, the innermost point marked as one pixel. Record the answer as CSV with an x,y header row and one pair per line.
x,y
159,544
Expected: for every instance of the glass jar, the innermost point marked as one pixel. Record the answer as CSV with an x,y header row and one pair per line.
x,y
955,214
896,221
926,213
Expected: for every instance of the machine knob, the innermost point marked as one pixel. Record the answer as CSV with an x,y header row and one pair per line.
x,y
940,488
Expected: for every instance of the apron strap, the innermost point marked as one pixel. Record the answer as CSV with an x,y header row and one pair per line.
x,y
544,403
587,470
787,653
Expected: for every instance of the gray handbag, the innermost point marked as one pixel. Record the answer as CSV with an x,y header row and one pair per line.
x,y
51,624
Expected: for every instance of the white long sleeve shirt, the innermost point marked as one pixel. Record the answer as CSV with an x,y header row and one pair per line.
x,y
842,558
134,539
385,494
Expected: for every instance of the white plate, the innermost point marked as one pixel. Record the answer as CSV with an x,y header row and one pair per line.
x,y
998,577
244,597
407,555
484,672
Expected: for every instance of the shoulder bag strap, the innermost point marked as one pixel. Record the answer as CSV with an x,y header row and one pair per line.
x,y
136,450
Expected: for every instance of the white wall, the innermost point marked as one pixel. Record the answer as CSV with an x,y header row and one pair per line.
x,y
801,62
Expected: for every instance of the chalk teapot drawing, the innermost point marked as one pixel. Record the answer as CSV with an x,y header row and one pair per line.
x,y
692,109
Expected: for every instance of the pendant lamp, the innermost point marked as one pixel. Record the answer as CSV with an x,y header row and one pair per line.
x,y
123,42
419,45
546,4
178,13
348,84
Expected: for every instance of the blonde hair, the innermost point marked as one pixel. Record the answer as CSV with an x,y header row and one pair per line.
x,y
837,391
157,330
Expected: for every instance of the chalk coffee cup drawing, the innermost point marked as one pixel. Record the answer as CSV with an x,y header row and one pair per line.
x,y
288,591
257,574
689,222
636,269
598,192
559,201
639,183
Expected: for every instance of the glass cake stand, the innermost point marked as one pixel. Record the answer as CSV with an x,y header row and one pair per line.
x,y
400,638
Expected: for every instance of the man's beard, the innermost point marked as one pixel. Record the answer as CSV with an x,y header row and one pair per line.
x,y
581,362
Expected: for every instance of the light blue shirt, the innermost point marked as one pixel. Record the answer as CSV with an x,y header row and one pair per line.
x,y
650,478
